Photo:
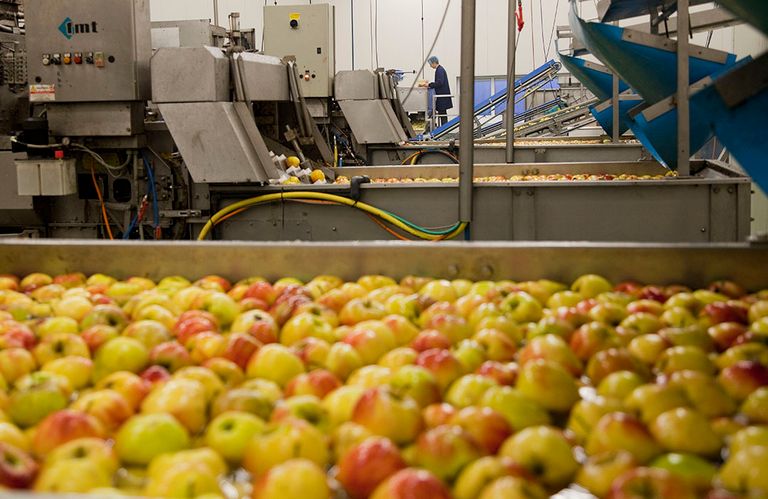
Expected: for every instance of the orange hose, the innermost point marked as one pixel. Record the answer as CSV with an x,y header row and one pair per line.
x,y
103,206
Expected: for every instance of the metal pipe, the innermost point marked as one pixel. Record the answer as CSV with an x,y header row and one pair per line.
x,y
511,52
615,98
352,18
216,13
683,78
466,110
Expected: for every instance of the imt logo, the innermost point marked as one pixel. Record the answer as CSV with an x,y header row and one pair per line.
x,y
70,29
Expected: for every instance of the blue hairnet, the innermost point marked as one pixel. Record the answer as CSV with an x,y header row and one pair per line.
x,y
433,60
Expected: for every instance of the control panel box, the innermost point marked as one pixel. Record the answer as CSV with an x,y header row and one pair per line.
x,y
88,50
306,32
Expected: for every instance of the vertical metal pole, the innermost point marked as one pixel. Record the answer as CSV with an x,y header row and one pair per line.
x,y
683,77
511,52
615,99
466,110
352,18
216,13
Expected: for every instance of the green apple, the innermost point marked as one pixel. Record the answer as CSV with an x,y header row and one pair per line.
x,y
72,475
293,439
519,410
183,480
521,307
96,450
621,431
647,348
76,369
306,325
470,354
591,285
686,430
229,433
748,437
619,384
598,472
244,399
468,390
370,376
707,396
693,469
545,453
681,358
651,400
212,384
276,363
145,436
548,384
119,354
445,450
554,349
306,407
184,399
477,474
415,382
587,412
293,479
399,357
755,407
744,471
512,487
30,405
206,457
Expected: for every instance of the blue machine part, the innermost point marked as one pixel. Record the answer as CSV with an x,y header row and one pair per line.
x,y
545,72
738,117
597,78
603,113
650,70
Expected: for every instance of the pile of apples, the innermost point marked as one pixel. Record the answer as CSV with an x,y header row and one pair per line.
x,y
557,177
422,388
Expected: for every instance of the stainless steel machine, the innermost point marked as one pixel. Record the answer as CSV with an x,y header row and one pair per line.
x,y
109,153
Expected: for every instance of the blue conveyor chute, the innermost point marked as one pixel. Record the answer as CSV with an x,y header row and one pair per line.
x,y
538,77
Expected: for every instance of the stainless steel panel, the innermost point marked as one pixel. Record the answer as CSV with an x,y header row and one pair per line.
x,y
693,265
190,74
265,77
361,84
214,142
117,29
312,42
96,119
188,33
417,102
373,122
9,199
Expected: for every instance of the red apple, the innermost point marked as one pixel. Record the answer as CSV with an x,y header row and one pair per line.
x,y
97,335
487,427
591,338
724,334
411,483
502,373
108,406
730,311
650,482
172,355
62,426
430,338
17,469
155,375
743,378
365,466
438,414
445,450
384,414
443,365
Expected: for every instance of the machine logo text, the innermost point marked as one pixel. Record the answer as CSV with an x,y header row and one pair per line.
x,y
68,28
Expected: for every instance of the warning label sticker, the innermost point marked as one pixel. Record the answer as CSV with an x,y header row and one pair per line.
x,y
42,93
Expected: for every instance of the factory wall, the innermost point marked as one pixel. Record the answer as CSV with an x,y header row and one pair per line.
x,y
402,43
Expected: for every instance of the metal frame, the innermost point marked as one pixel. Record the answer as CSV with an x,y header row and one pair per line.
x,y
693,265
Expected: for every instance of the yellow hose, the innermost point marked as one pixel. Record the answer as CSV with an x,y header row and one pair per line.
x,y
267,198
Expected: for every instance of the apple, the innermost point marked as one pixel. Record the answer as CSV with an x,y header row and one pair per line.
x,y
92,449
96,336
229,433
478,474
370,376
318,382
312,351
368,464
292,439
452,325
371,344
146,436
430,338
51,325
503,373
697,472
650,482
415,382
728,311
227,371
552,325
347,436
587,412
598,472
743,378
545,453
306,407
470,355
619,384
521,307
403,329
548,384
647,306
58,345
755,406
183,479
171,355
62,426
243,399
592,337
75,476
621,431
304,325
119,354
16,363
206,345
293,479
150,333
511,487
359,310
40,397
648,347
487,428
189,326
744,471
127,384
48,293
703,391
651,400
17,468
107,315
591,285
74,368
748,437
385,414
399,357
340,404
681,358
184,399
694,335
468,390
519,410
438,414
276,363
754,352
445,450
342,360
442,364
497,344
725,333
411,483
606,362
109,407
565,298
12,435
686,430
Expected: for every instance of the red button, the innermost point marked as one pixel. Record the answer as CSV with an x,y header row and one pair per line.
x,y
58,154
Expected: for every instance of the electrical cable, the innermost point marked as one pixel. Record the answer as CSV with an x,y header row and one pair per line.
x,y
434,43
153,191
382,214
103,206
